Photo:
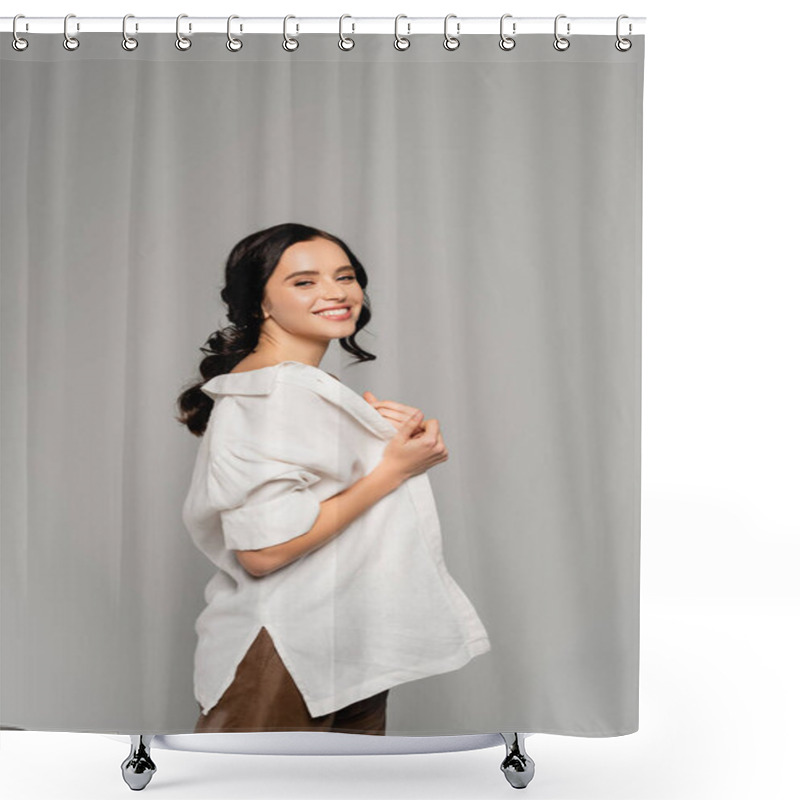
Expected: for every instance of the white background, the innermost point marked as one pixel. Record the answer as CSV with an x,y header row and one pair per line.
x,y
720,442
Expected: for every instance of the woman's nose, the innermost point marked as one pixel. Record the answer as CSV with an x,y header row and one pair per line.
x,y
337,291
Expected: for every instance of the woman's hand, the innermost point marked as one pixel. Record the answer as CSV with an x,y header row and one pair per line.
x,y
406,456
396,413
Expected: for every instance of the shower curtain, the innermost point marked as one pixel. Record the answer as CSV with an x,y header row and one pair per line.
x,y
492,202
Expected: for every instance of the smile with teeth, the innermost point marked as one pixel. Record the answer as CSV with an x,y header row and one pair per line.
x,y
339,313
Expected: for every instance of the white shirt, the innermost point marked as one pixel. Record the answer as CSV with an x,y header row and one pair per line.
x,y
371,608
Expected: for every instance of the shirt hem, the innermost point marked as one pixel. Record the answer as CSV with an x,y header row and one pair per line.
x,y
204,709
318,707
326,705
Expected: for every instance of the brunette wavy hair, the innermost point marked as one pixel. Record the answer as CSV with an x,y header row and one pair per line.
x,y
247,271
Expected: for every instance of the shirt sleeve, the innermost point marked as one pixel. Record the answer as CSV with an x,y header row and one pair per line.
x,y
262,501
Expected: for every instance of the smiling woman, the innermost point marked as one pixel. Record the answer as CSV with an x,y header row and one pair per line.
x,y
308,281
285,288
295,497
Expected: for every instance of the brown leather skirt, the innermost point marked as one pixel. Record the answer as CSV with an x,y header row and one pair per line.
x,y
264,697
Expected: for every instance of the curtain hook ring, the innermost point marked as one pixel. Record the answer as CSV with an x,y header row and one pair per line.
x,y
18,43
401,42
507,42
346,43
233,44
128,42
182,42
561,43
289,42
622,44
451,42
70,42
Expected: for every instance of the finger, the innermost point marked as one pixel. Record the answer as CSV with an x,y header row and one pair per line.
x,y
431,428
402,407
371,399
410,424
392,415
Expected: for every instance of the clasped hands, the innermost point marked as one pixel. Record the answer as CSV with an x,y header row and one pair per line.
x,y
396,413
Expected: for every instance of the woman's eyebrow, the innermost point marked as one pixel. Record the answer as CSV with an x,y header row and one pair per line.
x,y
315,272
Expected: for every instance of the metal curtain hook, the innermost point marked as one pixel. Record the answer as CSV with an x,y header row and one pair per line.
x,y
18,43
233,44
400,42
507,42
181,42
289,42
623,45
128,42
70,42
451,42
560,43
344,42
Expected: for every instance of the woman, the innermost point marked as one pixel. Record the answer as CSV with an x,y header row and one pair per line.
x,y
314,505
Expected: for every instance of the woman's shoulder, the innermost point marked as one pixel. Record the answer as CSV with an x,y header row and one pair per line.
x,y
259,382
268,404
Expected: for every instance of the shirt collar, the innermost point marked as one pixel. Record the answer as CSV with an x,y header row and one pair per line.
x,y
254,381
262,381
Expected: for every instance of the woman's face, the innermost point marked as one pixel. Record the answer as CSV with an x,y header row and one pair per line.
x,y
294,302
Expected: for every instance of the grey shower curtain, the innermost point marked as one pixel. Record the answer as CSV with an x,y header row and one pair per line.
x,y
494,199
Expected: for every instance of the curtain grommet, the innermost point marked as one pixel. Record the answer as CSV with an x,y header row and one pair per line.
x,y
17,42
233,44
345,43
451,42
401,42
507,42
290,43
561,43
622,44
182,42
129,43
70,42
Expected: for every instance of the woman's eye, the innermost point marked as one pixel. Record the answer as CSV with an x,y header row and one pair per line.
x,y
345,277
